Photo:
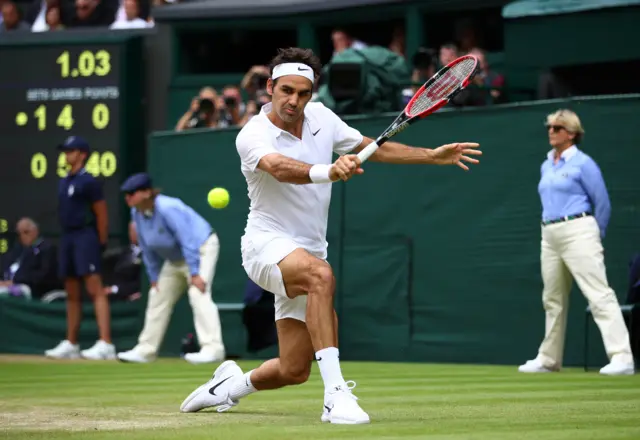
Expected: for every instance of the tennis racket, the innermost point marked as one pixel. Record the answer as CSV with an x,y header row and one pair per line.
x,y
433,95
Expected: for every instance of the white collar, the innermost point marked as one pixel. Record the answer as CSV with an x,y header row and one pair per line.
x,y
308,119
566,154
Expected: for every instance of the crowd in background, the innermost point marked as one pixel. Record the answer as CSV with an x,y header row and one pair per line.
x,y
55,15
234,105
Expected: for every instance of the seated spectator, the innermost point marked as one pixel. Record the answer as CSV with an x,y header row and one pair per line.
x,y
11,19
203,112
30,268
91,13
122,270
132,18
54,22
491,83
424,64
466,35
398,41
448,53
342,40
37,15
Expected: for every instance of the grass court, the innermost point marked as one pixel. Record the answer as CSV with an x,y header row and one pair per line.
x,y
45,399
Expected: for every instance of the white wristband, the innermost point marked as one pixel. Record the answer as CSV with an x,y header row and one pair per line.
x,y
320,173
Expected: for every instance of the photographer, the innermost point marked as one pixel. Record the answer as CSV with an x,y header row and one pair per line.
x,y
255,80
202,113
424,66
233,111
424,63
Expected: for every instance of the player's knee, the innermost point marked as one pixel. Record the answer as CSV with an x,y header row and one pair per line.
x,y
321,279
295,374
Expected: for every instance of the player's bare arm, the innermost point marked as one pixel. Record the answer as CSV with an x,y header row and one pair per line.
x,y
284,169
287,170
449,154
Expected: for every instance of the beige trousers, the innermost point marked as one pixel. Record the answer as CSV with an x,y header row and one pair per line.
x,y
573,249
172,282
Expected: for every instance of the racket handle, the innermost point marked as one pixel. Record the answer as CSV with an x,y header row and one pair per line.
x,y
367,151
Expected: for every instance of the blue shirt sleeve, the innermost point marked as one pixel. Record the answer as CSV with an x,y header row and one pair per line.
x,y
177,219
94,191
593,183
152,262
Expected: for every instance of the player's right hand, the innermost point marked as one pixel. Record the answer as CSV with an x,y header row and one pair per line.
x,y
345,167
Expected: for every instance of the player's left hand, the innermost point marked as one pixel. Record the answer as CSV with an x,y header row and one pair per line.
x,y
198,282
456,154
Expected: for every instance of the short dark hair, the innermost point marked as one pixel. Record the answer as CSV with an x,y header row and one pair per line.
x,y
297,55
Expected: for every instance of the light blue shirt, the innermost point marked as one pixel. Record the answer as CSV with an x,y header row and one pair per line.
x,y
172,231
572,186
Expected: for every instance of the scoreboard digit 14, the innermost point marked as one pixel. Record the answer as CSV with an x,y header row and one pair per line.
x,y
54,90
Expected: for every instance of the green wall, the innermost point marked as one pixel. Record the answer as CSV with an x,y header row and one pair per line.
x,y
434,264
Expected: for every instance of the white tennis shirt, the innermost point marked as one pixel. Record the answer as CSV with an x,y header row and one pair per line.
x,y
298,212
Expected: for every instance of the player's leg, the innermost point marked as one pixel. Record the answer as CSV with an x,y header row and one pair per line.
x,y
292,367
206,317
171,284
305,273
68,348
302,274
87,261
584,256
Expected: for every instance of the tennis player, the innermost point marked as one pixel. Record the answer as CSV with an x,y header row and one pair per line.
x,y
286,153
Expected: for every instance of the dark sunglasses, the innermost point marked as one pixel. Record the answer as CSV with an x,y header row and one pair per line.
x,y
555,128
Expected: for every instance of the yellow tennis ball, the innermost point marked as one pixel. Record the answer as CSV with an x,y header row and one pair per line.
x,y
218,198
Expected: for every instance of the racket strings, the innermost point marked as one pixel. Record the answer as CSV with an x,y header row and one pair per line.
x,y
442,87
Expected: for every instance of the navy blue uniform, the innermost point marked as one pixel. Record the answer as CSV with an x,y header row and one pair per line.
x,y
80,252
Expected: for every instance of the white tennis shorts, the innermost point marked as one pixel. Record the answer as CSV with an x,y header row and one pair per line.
x,y
261,254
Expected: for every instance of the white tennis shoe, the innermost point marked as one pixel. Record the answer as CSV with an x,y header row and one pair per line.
x,y
101,351
618,367
534,366
214,393
64,350
341,406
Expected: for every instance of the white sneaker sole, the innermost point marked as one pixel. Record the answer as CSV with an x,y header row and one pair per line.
x,y
108,357
133,360
337,421
620,373
69,356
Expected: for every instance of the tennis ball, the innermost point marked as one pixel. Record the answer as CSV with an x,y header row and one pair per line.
x,y
218,198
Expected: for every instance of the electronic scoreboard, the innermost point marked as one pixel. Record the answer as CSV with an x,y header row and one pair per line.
x,y
49,91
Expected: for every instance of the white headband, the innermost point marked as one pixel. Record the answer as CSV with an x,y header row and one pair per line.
x,y
293,69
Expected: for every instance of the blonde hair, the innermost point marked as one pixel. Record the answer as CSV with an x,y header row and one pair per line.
x,y
570,121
